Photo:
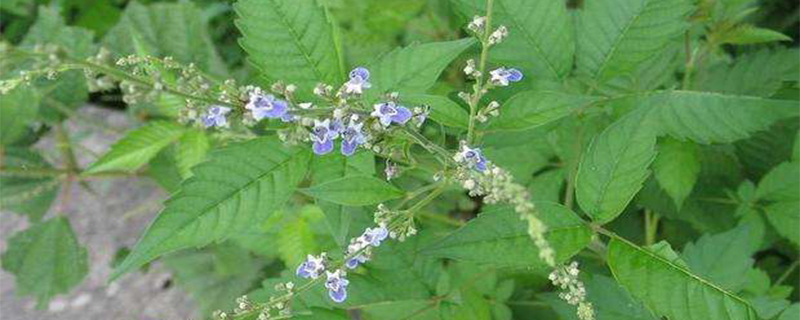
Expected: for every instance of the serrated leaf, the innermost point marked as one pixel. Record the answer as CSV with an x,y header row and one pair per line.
x,y
780,189
614,36
722,258
241,185
291,41
191,150
750,34
295,241
176,30
413,69
669,289
614,167
760,73
609,299
138,147
29,195
542,29
18,110
443,110
497,238
783,216
714,118
676,168
354,190
340,219
530,109
46,259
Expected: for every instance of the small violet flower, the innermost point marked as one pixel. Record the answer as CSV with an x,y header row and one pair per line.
x,y
358,81
502,76
352,137
312,267
372,237
337,285
472,157
323,135
389,112
216,116
266,106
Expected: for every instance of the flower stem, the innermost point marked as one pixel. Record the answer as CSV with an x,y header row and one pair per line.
x,y
478,88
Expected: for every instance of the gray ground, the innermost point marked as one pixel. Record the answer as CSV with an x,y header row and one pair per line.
x,y
112,218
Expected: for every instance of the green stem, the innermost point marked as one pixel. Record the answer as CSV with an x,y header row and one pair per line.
x,y
651,220
442,218
787,273
478,87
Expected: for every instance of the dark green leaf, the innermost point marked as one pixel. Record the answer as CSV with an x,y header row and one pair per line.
x,y
354,190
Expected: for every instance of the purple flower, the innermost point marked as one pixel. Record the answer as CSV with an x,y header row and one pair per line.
x,y
266,106
358,81
323,135
389,112
472,157
337,285
216,116
374,236
312,267
352,137
502,76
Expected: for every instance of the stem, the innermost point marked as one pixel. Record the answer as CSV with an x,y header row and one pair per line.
x,y
787,273
442,218
478,88
650,226
430,197
569,193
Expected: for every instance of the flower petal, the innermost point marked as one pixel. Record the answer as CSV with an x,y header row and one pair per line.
x,y
402,116
361,72
338,296
349,147
324,147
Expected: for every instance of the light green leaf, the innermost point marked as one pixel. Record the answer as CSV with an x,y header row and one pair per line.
x,y
714,118
443,110
499,239
541,29
354,190
176,30
676,168
295,239
413,69
138,147
18,110
191,150
614,167
722,258
291,41
340,219
614,36
791,313
750,34
25,194
669,289
240,186
46,260
529,109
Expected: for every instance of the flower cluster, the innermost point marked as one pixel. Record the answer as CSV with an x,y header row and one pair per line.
x,y
573,290
403,223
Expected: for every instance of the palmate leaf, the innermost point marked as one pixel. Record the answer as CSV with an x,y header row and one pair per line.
x,y
241,185
499,239
614,36
138,147
29,195
530,109
413,69
291,41
46,259
354,190
669,289
541,29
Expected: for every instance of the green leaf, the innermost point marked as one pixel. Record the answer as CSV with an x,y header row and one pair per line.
x,y
614,167
676,168
541,29
614,36
240,186
750,34
722,258
30,195
191,150
714,118
791,313
760,73
783,216
295,239
669,289
18,110
354,190
499,239
443,110
138,147
780,188
176,30
413,69
529,109
291,41
341,218
609,299
214,277
46,259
